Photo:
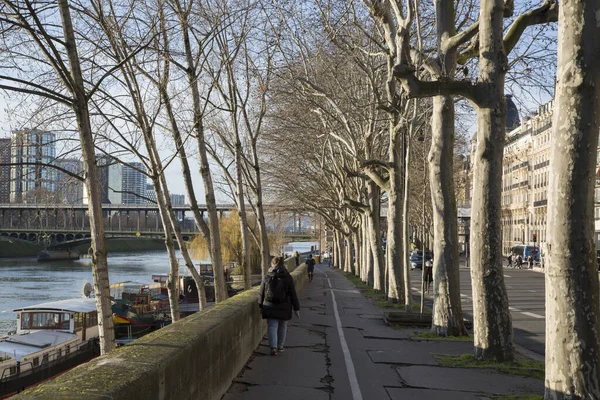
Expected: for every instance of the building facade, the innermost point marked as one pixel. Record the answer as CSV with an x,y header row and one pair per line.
x,y
69,188
4,170
525,180
134,183
30,180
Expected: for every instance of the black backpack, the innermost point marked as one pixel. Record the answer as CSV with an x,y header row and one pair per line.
x,y
274,289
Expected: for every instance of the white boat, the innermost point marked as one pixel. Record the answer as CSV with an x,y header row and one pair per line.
x,y
50,338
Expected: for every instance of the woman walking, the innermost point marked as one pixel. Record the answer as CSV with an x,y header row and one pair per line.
x,y
276,299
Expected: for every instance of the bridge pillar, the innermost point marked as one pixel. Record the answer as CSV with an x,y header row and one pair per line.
x,y
138,221
156,221
127,220
145,214
120,217
65,217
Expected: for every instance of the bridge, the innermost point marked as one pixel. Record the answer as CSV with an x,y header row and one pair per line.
x,y
62,226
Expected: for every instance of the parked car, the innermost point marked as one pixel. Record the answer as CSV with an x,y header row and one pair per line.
x,y
416,258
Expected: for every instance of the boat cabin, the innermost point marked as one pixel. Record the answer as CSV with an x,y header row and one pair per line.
x,y
47,333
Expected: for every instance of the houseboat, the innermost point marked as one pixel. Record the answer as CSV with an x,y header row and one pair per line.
x,y
50,339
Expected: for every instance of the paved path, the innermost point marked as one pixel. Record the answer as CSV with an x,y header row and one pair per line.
x,y
341,349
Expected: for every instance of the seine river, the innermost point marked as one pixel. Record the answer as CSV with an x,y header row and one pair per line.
x,y
25,281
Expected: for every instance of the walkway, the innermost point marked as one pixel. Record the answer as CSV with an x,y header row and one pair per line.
x,y
341,349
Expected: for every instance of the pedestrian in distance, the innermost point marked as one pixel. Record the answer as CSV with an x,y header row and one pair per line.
x,y
530,262
297,257
428,274
519,261
276,298
310,267
509,258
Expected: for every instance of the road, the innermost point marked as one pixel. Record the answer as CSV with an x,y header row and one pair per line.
x,y
525,290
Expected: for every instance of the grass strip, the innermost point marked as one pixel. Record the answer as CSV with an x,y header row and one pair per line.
x,y
379,298
428,335
526,368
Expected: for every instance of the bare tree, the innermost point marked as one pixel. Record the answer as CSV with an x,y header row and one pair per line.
x,y
493,335
572,300
57,48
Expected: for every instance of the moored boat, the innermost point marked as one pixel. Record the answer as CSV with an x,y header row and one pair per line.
x,y
50,339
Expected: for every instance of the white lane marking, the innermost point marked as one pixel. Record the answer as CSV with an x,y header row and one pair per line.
x,y
514,309
532,315
414,288
356,394
532,291
507,276
508,287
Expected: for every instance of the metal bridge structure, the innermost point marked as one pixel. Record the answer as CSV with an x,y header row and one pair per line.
x,y
63,226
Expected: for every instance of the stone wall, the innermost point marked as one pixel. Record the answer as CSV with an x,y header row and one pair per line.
x,y
195,358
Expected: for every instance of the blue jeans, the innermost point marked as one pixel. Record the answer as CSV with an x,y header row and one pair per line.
x,y
276,330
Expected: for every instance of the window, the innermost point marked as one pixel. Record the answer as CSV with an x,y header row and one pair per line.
x,y
36,361
43,320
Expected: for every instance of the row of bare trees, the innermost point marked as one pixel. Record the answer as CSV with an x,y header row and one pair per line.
x,y
367,79
157,82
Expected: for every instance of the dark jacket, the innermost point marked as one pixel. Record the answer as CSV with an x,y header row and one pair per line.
x,y
310,264
281,310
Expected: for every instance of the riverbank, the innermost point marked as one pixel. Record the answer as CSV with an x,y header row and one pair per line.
x,y
14,248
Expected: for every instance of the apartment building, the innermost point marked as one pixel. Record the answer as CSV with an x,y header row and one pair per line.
x,y
525,180
4,170
30,180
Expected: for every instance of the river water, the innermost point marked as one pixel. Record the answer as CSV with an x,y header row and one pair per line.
x,y
25,281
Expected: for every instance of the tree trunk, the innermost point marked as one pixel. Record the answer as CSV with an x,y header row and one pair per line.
x,y
97,252
572,301
405,217
394,256
357,251
374,233
348,254
370,270
492,325
364,244
265,249
242,213
173,280
341,251
209,191
447,308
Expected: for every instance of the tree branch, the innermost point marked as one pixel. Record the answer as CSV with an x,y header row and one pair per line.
x,y
442,87
548,12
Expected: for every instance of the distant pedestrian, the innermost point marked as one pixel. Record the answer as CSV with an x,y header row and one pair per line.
x,y
310,267
530,262
519,261
509,260
428,279
297,257
276,299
